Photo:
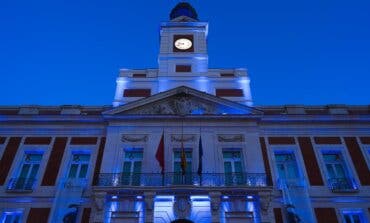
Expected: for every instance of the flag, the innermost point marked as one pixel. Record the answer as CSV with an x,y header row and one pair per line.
x,y
183,159
159,155
200,164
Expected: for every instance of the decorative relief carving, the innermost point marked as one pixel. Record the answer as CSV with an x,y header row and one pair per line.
x,y
265,201
215,200
231,138
149,200
182,207
134,138
180,104
183,138
99,199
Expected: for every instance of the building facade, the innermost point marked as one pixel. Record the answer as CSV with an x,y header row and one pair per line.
x,y
184,143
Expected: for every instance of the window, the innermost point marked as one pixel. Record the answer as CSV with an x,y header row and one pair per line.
x,y
233,167
227,74
79,166
139,75
353,217
337,172
287,168
11,217
229,93
136,93
132,167
179,176
366,150
28,172
183,68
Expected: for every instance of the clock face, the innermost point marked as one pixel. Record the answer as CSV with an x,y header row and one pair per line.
x,y
183,44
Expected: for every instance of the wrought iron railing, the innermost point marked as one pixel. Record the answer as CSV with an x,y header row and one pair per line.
x,y
21,184
283,183
192,179
342,184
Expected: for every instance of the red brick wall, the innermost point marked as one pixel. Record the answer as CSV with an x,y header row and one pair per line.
x,y
8,157
38,215
326,215
310,161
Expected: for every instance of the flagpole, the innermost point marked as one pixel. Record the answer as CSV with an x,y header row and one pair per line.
x,y
200,155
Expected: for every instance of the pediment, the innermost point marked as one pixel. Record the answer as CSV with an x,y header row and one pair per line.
x,y
183,101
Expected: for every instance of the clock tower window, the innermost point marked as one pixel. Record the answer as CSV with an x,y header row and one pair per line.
x,y
183,68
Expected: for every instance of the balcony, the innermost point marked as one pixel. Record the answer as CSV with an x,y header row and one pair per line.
x,y
21,185
342,185
178,179
283,183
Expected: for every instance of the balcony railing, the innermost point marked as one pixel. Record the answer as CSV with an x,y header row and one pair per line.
x,y
342,185
21,184
283,183
191,179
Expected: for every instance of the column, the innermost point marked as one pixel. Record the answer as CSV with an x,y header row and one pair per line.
x,y
149,206
215,197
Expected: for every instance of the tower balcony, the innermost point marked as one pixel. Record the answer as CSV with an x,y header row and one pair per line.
x,y
122,180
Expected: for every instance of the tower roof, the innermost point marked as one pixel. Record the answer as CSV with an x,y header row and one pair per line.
x,y
183,9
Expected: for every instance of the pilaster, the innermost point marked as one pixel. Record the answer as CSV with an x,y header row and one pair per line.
x,y
215,197
266,209
99,201
149,206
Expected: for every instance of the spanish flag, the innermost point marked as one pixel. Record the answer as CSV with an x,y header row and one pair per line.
x,y
159,155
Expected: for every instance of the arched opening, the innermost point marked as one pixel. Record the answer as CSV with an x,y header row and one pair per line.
x,y
182,221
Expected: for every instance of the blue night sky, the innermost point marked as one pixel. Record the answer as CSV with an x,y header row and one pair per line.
x,y
296,52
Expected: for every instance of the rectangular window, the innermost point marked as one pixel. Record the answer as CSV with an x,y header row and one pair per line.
x,y
139,75
337,172
287,168
183,68
132,167
28,172
137,93
229,93
11,217
227,75
233,168
79,166
353,217
180,177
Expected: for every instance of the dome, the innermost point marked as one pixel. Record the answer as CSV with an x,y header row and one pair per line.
x,y
183,9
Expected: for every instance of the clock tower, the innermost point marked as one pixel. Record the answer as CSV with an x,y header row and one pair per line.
x,y
183,61
183,44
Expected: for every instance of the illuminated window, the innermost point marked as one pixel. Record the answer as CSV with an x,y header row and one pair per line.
x,y
79,166
337,172
233,167
287,168
355,216
132,167
28,172
179,176
11,217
